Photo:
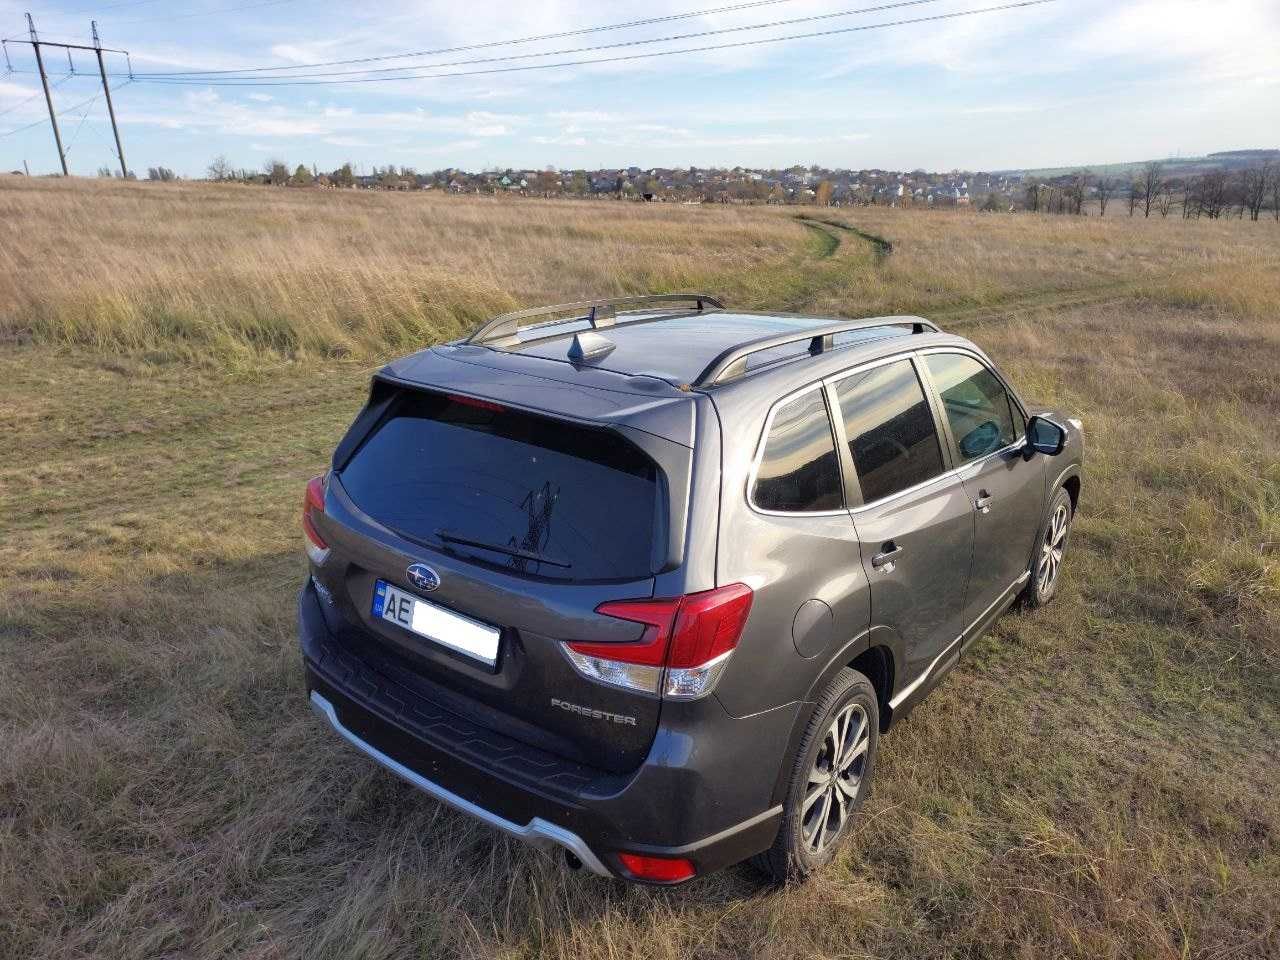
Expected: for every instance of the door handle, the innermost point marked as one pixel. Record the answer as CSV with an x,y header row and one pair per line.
x,y
983,503
887,557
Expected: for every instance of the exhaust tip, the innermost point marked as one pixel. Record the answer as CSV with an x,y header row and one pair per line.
x,y
572,860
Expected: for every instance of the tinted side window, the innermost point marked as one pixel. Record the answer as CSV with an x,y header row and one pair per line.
x,y
799,471
977,404
891,433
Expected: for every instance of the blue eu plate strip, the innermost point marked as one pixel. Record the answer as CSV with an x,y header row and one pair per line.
x,y
379,598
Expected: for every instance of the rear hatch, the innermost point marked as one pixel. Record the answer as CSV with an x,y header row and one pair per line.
x,y
491,535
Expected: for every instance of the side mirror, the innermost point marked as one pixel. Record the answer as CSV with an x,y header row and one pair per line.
x,y
1045,436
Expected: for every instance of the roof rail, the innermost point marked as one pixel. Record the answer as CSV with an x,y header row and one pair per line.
x,y
504,330
732,363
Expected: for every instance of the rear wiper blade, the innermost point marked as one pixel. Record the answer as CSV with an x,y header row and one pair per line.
x,y
448,537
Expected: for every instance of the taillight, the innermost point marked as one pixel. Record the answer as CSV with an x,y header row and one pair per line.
x,y
657,869
312,504
683,650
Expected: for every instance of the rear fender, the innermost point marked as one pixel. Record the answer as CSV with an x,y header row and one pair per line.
x,y
878,636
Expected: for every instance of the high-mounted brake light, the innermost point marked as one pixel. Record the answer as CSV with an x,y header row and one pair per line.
x,y
474,402
657,869
312,504
683,649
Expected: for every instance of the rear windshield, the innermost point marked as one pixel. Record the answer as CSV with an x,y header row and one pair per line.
x,y
536,496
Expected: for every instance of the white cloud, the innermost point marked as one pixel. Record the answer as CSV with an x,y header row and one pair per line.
x,y
1047,84
480,123
585,116
21,103
16,90
1000,108
562,140
304,52
457,146
206,109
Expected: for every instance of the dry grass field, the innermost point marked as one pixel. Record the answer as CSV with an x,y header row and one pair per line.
x,y
1099,779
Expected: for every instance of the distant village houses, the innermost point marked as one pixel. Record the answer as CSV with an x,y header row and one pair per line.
x,y
1210,186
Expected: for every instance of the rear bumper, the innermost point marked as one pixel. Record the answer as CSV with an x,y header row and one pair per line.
x,y
537,831
702,794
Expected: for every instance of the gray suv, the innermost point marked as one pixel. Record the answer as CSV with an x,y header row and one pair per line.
x,y
644,581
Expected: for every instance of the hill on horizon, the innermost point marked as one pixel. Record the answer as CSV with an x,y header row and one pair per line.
x,y
1174,166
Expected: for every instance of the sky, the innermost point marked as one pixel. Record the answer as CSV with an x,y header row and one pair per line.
x,y
1066,83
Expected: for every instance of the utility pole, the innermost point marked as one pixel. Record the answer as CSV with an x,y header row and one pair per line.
x,y
48,97
97,46
98,49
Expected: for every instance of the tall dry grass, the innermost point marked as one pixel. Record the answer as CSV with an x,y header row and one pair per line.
x,y
964,262
229,270
1097,779
229,273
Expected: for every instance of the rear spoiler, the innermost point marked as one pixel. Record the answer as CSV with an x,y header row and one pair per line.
x,y
382,392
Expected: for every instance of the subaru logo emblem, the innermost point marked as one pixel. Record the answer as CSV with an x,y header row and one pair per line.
x,y
423,577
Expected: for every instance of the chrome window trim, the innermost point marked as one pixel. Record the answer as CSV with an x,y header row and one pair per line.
x,y
910,355
759,458
949,475
834,380
1019,442
954,472
986,362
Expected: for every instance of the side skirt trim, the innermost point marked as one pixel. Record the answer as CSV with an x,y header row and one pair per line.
x,y
914,685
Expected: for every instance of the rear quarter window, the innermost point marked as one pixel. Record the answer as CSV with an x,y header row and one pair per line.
x,y
534,495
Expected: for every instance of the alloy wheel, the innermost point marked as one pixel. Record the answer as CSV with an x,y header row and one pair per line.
x,y
835,778
1055,541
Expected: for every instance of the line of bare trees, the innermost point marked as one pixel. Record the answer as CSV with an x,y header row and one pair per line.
x,y
1064,196
1214,194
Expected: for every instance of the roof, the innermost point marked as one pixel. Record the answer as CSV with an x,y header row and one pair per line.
x,y
679,347
649,379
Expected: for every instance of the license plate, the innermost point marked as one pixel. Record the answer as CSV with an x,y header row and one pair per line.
x,y
471,637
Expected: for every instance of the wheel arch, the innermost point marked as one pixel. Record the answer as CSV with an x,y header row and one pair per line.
x,y
877,664
1072,485
1070,480
878,655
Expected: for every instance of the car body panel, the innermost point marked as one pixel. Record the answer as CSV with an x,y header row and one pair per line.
x,y
920,595
1011,488
557,389
703,778
531,670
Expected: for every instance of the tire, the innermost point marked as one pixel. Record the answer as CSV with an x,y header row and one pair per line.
x,y
1046,562
817,796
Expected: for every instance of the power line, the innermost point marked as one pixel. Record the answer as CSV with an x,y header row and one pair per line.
x,y
62,112
40,123
29,126
484,46
111,6
203,13
621,44
83,117
35,96
250,82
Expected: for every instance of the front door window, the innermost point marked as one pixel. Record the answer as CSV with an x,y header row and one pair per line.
x,y
979,411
